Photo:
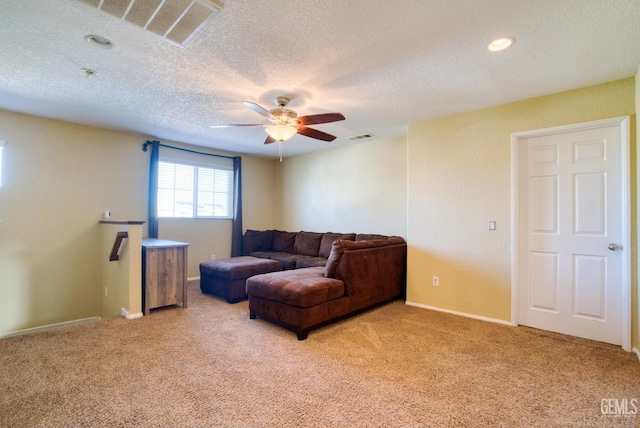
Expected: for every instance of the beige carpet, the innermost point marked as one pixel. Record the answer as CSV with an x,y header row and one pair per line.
x,y
396,366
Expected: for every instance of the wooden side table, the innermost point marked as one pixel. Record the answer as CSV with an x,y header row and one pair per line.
x,y
164,273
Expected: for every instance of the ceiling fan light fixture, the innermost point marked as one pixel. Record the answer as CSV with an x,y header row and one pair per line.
x,y
281,132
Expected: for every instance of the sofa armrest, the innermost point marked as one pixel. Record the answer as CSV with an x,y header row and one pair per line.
x,y
377,273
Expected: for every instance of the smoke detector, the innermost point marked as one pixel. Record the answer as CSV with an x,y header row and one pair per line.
x,y
99,42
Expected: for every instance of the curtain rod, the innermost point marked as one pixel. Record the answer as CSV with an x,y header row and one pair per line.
x,y
144,149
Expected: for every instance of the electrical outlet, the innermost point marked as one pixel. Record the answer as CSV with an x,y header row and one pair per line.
x,y
213,256
436,281
492,225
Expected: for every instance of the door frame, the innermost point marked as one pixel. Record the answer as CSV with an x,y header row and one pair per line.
x,y
516,142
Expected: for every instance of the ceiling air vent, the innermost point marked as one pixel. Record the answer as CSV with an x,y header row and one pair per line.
x,y
361,137
177,21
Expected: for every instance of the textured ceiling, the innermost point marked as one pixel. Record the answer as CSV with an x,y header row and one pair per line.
x,y
382,64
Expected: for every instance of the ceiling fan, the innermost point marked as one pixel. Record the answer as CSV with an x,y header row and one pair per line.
x,y
285,122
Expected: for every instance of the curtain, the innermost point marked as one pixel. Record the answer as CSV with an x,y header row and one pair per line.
x,y
153,188
236,225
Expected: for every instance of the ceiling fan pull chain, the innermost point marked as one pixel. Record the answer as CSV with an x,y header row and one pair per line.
x,y
280,150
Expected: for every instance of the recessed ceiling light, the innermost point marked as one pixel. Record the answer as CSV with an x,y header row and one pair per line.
x,y
99,42
501,44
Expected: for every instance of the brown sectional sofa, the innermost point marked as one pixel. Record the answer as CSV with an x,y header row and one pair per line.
x,y
355,275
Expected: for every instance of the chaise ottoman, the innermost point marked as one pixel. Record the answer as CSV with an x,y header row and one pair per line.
x,y
227,277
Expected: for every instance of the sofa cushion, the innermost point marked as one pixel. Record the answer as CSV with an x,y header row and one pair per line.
x,y
238,267
287,260
339,247
308,261
257,240
327,241
369,237
373,243
283,241
308,243
301,288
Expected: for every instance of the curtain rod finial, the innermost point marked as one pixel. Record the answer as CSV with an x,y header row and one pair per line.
x,y
144,146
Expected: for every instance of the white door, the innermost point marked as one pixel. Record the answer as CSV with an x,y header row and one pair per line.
x,y
571,258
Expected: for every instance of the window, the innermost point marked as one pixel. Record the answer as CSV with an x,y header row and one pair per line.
x,y
195,191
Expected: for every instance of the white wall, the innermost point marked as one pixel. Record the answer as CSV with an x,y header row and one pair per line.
x,y
359,188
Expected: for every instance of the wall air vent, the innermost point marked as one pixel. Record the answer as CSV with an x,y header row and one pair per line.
x,y
177,21
362,137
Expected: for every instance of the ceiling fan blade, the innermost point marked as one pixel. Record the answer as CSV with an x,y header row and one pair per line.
x,y
314,133
234,125
259,109
315,119
269,140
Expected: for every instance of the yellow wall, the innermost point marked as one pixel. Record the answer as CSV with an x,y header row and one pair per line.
x,y
121,281
459,179
635,220
359,188
57,180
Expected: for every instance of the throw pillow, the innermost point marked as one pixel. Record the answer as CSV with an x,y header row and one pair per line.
x,y
334,259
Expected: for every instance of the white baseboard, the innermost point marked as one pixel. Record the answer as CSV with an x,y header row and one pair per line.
x,y
46,327
477,317
129,316
462,314
193,278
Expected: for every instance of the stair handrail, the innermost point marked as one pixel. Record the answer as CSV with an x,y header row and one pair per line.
x,y
116,245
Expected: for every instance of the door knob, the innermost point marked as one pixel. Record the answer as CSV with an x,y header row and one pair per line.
x,y
614,247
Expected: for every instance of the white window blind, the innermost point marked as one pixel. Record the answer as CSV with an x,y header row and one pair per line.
x,y
195,189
